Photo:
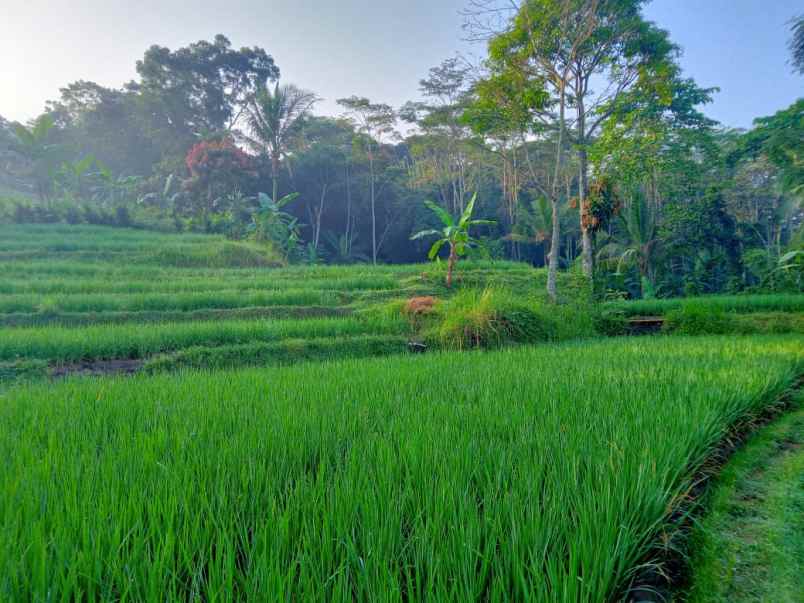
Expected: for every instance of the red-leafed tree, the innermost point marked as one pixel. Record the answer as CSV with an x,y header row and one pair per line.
x,y
218,168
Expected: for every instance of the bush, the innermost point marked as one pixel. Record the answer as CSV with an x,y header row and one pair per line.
x,y
770,323
700,319
610,322
695,318
491,318
741,304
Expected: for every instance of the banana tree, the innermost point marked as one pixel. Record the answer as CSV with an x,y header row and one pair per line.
x,y
33,144
271,224
455,234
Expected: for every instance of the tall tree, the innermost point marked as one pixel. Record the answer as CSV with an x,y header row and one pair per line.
x,y
320,168
217,168
103,122
202,88
442,151
536,56
375,122
274,120
780,138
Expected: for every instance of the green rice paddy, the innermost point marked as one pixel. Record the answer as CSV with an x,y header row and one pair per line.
x,y
361,472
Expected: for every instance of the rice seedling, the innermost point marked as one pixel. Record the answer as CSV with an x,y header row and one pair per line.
x,y
539,474
186,302
64,344
775,302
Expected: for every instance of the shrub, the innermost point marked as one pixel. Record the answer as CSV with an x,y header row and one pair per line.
x,y
416,306
770,323
610,322
491,318
700,319
695,318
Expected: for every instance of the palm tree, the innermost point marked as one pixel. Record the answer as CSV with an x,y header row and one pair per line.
x,y
275,119
455,234
32,144
534,226
637,243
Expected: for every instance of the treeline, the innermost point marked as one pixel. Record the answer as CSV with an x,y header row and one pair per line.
x,y
585,145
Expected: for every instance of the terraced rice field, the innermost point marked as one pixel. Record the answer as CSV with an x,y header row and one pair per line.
x,y
739,304
550,473
81,295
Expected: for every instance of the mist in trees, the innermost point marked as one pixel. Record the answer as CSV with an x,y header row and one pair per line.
x,y
580,136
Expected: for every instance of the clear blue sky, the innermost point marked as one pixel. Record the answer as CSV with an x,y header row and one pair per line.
x,y
374,48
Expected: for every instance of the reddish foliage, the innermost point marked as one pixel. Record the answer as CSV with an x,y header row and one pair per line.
x,y
212,156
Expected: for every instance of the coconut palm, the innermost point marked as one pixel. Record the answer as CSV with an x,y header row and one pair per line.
x,y
274,119
455,234
636,244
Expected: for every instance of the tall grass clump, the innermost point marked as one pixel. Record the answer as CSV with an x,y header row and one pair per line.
x,y
493,317
529,474
698,318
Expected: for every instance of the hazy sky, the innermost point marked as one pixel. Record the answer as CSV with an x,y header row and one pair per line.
x,y
374,48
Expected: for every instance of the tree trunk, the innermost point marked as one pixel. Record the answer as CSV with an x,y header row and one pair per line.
x,y
348,210
587,255
318,214
552,264
453,258
552,270
373,211
275,177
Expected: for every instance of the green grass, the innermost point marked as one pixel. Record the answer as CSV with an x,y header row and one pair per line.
x,y
776,302
494,317
699,319
539,474
177,283
185,302
86,293
750,545
287,351
130,341
77,319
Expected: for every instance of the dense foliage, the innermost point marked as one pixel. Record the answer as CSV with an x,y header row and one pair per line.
x,y
632,183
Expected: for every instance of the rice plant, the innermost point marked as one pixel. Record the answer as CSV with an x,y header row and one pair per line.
x,y
65,344
538,474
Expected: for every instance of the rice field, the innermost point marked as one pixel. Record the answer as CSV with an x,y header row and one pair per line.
x,y
540,474
740,304
89,294
133,341
339,467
